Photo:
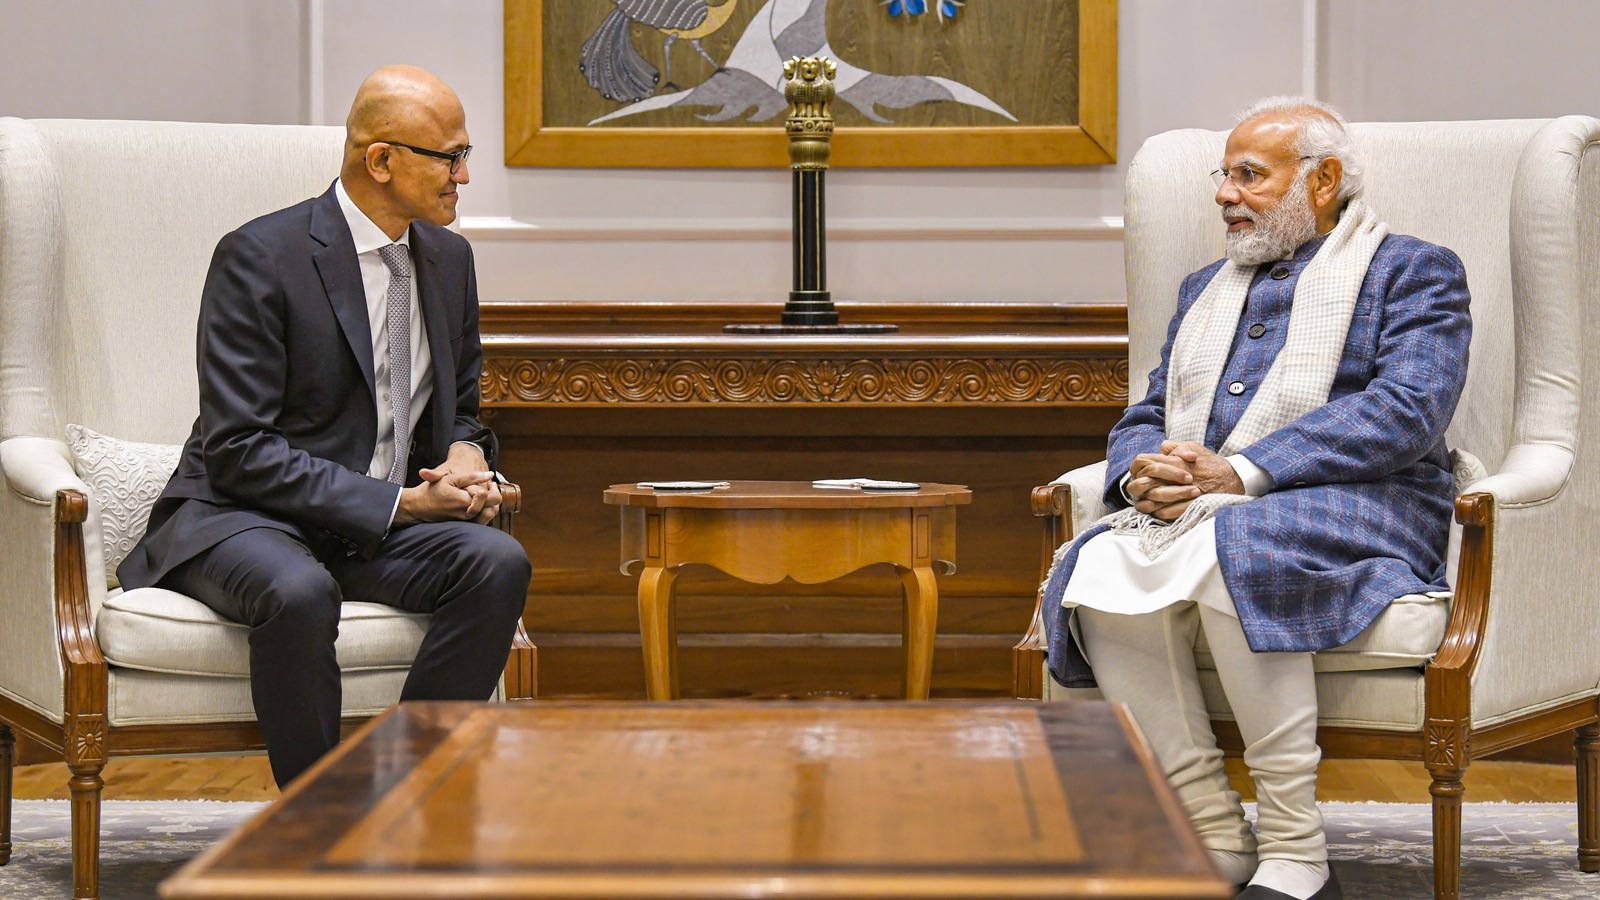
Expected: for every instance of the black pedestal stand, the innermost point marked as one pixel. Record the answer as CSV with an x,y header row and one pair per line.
x,y
810,124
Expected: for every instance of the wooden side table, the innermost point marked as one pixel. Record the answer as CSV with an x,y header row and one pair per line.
x,y
766,531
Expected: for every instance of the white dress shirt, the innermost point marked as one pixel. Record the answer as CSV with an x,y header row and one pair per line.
x,y
369,238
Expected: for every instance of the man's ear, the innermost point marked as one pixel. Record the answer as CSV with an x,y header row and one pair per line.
x,y
377,160
1325,180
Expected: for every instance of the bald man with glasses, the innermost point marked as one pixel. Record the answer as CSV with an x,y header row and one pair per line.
x,y
337,454
1284,480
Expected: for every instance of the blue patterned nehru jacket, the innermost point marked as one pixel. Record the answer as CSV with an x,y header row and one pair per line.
x,y
1359,512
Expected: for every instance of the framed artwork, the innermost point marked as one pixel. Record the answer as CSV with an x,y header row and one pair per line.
x,y
699,83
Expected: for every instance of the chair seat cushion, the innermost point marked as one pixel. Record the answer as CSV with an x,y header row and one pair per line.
x,y
137,697
158,630
1385,700
1406,635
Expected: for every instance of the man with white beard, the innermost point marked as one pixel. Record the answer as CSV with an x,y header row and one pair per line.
x,y
1283,481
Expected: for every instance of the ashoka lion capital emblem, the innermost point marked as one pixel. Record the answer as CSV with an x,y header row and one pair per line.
x,y
809,90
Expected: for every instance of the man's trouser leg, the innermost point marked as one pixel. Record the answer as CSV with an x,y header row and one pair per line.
x,y
1147,662
471,578
1274,701
270,581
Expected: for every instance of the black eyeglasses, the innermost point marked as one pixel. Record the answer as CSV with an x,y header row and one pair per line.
x,y
457,159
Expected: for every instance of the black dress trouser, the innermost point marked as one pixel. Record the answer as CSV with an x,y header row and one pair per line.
x,y
472,578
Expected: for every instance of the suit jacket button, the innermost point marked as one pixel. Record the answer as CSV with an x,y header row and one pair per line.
x,y
1236,388
1257,330
1280,273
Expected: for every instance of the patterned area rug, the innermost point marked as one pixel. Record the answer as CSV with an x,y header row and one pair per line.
x,y
1382,851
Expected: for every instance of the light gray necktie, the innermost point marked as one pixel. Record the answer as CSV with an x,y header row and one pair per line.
x,y
399,329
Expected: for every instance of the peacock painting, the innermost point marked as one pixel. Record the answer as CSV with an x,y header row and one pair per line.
x,y
749,83
612,63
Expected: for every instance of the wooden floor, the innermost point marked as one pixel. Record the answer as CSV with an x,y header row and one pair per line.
x,y
247,778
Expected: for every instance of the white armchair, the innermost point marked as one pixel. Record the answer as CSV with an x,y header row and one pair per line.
x,y
1512,657
106,230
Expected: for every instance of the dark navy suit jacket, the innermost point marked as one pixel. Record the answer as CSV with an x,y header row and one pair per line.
x,y
288,416
1359,513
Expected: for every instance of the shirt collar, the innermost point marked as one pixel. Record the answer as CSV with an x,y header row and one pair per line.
x,y
365,232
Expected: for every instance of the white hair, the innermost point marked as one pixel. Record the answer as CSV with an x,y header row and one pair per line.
x,y
1323,133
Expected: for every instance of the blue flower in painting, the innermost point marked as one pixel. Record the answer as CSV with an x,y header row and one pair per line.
x,y
945,8
910,7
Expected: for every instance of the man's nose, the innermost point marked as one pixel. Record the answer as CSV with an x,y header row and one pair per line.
x,y
1228,192
460,175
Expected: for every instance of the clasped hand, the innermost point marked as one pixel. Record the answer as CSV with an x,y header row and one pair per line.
x,y
1164,484
460,490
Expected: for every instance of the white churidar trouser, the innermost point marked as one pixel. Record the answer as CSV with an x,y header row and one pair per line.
x,y
1145,659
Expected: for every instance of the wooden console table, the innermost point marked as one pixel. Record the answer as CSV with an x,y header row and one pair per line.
x,y
998,396
767,531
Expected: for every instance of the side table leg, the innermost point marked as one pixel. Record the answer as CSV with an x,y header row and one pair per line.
x,y
919,623
658,631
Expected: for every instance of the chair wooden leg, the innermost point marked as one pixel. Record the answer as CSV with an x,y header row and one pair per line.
x,y
8,748
86,785
1447,790
1588,747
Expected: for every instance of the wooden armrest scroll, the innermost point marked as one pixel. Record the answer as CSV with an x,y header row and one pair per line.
x,y
1447,681
1053,503
1469,611
510,505
74,620
87,688
522,666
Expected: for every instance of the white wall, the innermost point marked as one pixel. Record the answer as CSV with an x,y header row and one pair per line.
x,y
188,60
911,234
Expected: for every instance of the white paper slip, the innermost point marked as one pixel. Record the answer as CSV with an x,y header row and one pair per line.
x,y
682,485
865,484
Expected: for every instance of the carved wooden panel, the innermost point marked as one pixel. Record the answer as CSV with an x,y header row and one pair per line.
x,y
514,381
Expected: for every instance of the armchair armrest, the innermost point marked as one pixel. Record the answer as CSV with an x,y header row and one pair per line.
x,y
1530,474
522,667
48,636
36,468
510,504
1066,506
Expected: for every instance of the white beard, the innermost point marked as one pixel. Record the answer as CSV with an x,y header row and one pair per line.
x,y
1278,230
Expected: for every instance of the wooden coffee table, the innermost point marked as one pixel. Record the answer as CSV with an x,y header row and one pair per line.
x,y
721,800
766,531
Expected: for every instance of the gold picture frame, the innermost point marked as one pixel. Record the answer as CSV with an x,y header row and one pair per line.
x,y
552,137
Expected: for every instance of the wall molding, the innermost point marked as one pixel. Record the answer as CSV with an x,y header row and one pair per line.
x,y
1079,228
1310,49
316,61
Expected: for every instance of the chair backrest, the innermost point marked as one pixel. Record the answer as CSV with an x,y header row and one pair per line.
x,y
1510,197
106,232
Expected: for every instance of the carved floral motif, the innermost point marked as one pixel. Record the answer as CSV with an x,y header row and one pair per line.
x,y
86,737
516,381
1442,744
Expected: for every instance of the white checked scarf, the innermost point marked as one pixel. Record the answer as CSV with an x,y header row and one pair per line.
x,y
1298,380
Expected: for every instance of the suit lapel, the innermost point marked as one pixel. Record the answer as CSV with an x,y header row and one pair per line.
x,y
341,279
431,298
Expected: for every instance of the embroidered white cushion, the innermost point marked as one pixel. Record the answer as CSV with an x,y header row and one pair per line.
x,y
124,479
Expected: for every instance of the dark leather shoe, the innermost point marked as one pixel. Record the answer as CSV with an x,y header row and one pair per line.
x,y
1328,891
